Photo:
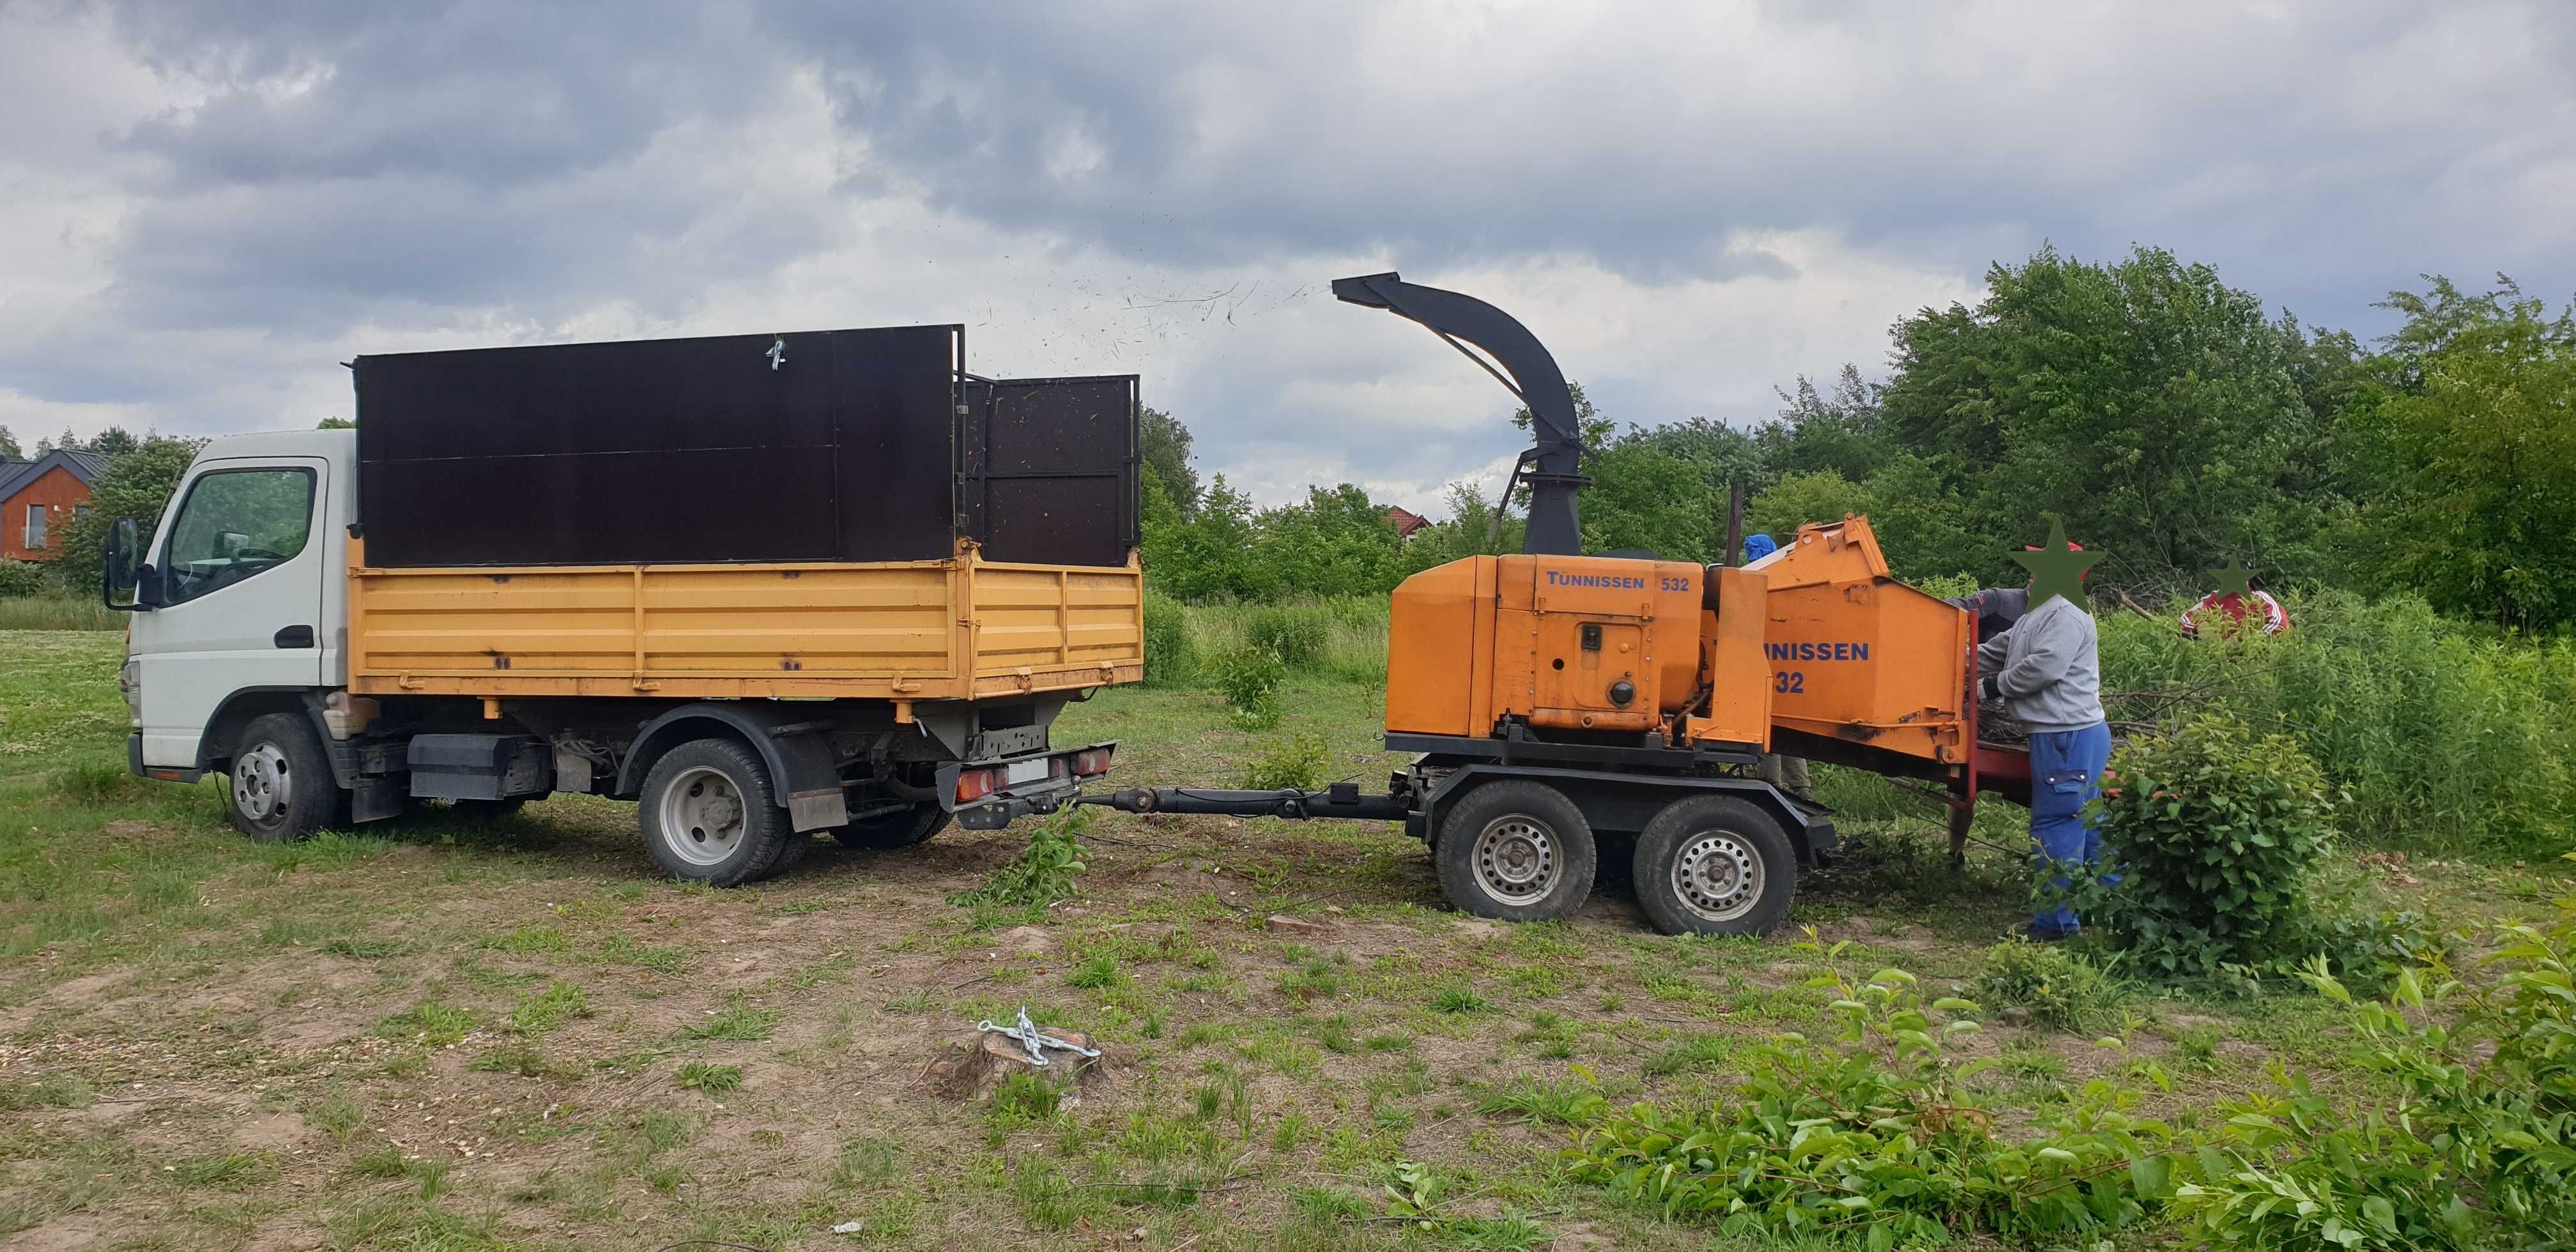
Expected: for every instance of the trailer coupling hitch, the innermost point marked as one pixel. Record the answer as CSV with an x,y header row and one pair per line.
x,y
1338,800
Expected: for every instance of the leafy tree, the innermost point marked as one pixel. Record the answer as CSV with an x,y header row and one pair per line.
x,y
2468,435
335,423
2152,406
9,450
1337,543
1845,432
1644,499
136,484
1164,445
115,441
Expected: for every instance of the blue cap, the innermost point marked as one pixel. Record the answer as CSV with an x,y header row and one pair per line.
x,y
1757,547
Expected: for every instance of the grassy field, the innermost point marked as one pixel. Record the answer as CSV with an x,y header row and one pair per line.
x,y
438,1036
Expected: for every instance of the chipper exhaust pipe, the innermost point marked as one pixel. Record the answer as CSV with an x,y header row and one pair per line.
x,y
1342,800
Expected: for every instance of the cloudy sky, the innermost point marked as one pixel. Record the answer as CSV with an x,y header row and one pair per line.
x,y
204,207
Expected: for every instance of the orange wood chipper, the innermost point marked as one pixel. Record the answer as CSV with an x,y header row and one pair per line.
x,y
1557,703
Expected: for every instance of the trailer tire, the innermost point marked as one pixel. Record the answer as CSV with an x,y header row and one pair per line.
x,y
278,786
710,813
895,830
1715,865
1517,851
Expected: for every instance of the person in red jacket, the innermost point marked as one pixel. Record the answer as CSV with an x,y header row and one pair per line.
x,y
2239,603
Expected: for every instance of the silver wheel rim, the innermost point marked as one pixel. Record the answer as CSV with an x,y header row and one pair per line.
x,y
1518,859
1718,875
262,784
703,816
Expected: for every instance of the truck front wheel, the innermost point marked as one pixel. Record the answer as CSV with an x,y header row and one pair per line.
x,y
711,815
280,786
1516,851
1715,865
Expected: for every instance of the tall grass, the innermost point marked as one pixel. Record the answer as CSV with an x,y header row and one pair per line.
x,y
1342,638
57,612
2441,733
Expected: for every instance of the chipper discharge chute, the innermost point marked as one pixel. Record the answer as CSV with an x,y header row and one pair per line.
x,y
1552,698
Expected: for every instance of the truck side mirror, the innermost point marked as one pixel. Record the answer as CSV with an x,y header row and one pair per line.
x,y
122,577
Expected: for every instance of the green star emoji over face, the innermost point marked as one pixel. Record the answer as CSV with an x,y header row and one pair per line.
x,y
2057,569
2235,580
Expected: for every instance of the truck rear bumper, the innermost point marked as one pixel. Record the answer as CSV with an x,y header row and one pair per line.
x,y
988,795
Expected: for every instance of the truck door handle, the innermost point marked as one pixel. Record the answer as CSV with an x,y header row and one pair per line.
x,y
295,637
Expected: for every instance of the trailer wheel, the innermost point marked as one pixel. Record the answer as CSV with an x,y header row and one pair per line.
x,y
1715,865
280,786
711,815
1517,851
900,829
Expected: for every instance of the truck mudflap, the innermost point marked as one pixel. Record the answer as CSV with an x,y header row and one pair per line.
x,y
991,794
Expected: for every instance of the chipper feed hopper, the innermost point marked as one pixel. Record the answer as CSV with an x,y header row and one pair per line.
x,y
1558,703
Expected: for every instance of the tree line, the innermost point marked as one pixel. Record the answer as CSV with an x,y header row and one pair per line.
x,y
2164,415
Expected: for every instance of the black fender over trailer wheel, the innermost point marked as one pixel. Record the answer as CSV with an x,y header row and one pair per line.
x,y
1715,865
1516,851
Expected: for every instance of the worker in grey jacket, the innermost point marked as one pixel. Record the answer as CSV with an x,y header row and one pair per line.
x,y
2048,671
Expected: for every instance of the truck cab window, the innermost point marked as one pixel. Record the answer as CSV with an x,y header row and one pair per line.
x,y
235,525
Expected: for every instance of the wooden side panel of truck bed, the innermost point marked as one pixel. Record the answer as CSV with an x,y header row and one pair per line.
x,y
906,630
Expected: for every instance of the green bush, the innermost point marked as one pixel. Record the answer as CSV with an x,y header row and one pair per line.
x,y
1876,1136
2478,1150
1298,634
23,578
1170,655
2215,833
1250,678
1299,760
2058,985
1043,874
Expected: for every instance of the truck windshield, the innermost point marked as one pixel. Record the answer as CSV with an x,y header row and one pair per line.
x,y
236,524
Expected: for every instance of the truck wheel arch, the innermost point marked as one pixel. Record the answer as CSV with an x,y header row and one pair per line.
x,y
248,704
800,764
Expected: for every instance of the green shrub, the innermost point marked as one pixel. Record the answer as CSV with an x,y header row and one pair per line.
x,y
1250,678
1170,656
1297,634
2058,985
1043,874
2477,1150
2215,833
1876,1136
23,578
1298,760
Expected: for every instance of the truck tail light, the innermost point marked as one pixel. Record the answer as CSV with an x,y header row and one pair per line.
x,y
975,784
1091,762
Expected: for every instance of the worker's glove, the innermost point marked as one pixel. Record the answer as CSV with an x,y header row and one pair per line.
x,y
1989,688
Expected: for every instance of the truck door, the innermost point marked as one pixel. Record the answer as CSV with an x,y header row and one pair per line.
x,y
239,560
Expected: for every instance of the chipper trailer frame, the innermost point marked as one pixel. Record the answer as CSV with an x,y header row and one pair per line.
x,y
1551,698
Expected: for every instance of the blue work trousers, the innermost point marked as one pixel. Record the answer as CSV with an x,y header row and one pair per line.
x,y
2065,775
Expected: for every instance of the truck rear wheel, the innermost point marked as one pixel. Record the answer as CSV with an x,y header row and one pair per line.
x,y
711,815
280,786
1715,865
900,829
1517,851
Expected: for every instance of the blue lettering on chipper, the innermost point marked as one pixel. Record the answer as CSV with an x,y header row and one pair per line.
x,y
1809,650
1618,582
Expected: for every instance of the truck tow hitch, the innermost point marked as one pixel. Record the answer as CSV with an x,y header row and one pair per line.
x,y
1343,800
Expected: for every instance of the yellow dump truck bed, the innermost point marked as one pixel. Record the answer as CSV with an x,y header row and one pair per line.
x,y
957,629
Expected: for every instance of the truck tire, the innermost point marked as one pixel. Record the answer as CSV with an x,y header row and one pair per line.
x,y
280,786
1517,851
711,815
902,829
791,853
1715,865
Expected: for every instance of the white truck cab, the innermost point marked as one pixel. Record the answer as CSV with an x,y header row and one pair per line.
x,y
248,611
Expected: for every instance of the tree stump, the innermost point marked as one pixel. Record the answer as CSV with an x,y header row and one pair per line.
x,y
974,1071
